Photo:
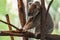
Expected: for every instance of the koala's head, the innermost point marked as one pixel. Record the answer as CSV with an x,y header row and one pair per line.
x,y
33,8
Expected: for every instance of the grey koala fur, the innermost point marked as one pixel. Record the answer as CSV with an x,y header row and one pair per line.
x,y
34,19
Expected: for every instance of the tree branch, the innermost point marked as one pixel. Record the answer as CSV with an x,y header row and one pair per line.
x,y
9,24
29,34
49,6
10,28
43,20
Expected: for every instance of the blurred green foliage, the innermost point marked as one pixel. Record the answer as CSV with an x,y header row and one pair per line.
x,y
3,12
2,7
13,17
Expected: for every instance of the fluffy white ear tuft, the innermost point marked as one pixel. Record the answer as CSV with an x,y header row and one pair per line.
x,y
29,3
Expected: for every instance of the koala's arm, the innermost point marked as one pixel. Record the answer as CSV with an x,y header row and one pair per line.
x,y
28,24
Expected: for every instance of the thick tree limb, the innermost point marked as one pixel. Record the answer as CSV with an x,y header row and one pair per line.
x,y
43,20
28,34
22,16
16,33
21,10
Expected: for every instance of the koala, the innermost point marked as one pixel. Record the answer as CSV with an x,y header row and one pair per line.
x,y
34,19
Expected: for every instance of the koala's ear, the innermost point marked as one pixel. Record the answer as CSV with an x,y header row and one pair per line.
x,y
29,3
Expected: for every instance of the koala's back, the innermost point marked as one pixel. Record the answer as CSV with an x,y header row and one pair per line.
x,y
49,24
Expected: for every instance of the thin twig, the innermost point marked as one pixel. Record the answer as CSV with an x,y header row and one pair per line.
x,y
10,24
49,6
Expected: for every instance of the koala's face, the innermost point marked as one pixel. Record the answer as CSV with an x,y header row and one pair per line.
x,y
33,8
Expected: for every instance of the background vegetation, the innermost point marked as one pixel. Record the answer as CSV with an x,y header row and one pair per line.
x,y
9,7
